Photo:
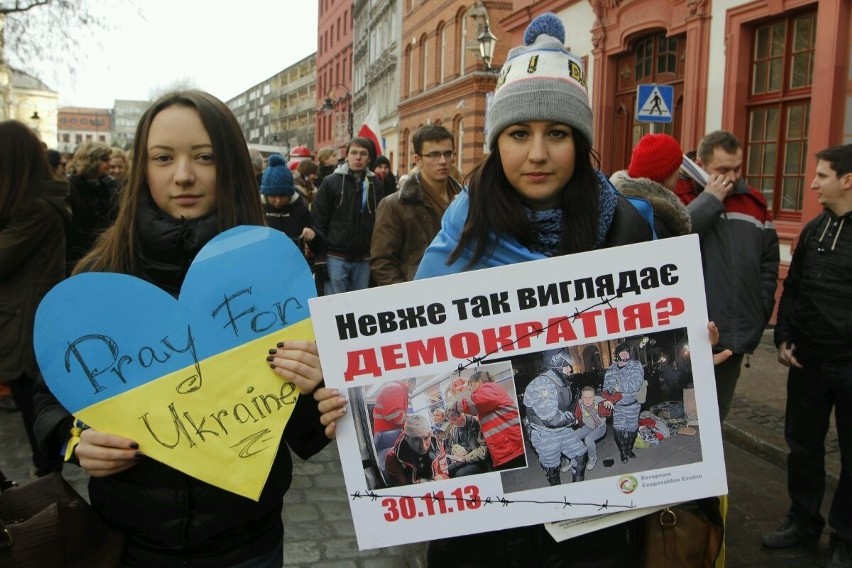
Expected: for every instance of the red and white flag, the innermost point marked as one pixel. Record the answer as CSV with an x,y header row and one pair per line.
x,y
370,129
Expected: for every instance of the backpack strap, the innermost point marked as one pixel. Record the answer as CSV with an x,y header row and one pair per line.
x,y
644,208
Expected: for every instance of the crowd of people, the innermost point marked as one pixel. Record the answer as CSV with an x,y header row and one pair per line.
x,y
538,193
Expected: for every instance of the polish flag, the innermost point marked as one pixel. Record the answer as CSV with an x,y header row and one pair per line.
x,y
370,129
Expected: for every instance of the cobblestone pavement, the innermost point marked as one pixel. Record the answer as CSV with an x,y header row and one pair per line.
x,y
319,530
756,420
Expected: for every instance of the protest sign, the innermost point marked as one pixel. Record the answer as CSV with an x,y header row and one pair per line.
x,y
475,342
185,378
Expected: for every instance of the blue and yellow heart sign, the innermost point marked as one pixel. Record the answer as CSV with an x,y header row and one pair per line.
x,y
187,379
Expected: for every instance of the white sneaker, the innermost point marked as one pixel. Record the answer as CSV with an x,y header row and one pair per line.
x,y
568,466
592,463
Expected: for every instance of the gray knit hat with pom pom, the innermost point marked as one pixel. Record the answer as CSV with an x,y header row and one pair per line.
x,y
541,80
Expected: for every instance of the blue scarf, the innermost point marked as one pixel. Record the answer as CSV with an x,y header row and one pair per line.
x,y
507,250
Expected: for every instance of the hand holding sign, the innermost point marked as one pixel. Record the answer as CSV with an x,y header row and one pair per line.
x,y
184,378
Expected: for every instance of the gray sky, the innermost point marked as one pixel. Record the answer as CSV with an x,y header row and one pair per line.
x,y
221,50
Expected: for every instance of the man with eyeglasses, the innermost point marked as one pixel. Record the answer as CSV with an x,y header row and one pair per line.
x,y
345,210
408,220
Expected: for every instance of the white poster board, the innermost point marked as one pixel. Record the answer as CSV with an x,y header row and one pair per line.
x,y
441,331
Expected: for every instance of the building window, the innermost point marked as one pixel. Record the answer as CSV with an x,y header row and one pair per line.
x,y
458,128
779,111
461,38
406,65
644,58
424,61
442,49
667,54
653,58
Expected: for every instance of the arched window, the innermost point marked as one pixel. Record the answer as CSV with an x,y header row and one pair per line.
x,y
440,50
407,157
458,132
424,63
406,71
461,39
651,58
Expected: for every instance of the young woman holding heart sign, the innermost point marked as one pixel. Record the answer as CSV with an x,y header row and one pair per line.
x,y
191,178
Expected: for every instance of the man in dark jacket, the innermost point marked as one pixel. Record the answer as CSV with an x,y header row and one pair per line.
x,y
739,248
814,339
408,220
466,444
345,210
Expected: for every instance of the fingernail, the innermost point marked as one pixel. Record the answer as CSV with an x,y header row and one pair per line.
x,y
270,358
271,366
273,351
341,400
280,344
134,445
138,455
342,411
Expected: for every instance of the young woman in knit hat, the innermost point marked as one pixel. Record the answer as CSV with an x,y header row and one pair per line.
x,y
653,174
537,194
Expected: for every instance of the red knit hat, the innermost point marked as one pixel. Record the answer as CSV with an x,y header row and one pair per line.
x,y
655,157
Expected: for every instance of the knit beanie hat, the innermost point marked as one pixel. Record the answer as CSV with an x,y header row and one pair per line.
x,y
656,157
277,179
541,80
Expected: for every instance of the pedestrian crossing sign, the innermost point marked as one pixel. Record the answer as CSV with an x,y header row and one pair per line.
x,y
654,103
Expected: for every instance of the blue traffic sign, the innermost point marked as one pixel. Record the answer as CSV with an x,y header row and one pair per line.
x,y
654,103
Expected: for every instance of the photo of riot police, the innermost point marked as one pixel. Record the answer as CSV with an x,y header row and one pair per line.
x,y
434,428
605,409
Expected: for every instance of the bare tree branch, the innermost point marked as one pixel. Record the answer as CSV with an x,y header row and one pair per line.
x,y
48,32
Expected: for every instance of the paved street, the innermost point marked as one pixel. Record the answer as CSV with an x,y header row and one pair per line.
x,y
319,531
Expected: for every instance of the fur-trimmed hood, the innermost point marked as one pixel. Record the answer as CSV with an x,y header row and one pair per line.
x,y
668,209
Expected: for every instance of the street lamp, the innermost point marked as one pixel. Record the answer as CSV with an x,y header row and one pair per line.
x,y
487,42
36,120
331,104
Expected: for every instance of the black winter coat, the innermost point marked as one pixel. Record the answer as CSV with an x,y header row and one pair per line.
x,y
32,261
344,216
815,311
172,519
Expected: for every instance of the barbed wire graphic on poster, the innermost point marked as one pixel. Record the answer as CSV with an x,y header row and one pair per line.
x,y
533,393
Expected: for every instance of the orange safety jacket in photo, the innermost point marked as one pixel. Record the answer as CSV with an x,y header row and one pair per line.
x,y
498,419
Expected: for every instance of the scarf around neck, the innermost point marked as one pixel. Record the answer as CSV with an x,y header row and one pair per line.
x,y
168,245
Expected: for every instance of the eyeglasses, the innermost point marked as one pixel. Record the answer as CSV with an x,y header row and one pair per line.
x,y
362,153
448,155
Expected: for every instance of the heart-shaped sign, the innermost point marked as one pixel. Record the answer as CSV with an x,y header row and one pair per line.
x,y
186,379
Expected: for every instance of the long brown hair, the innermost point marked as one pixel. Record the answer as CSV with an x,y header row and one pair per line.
x,y
23,168
237,195
496,208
